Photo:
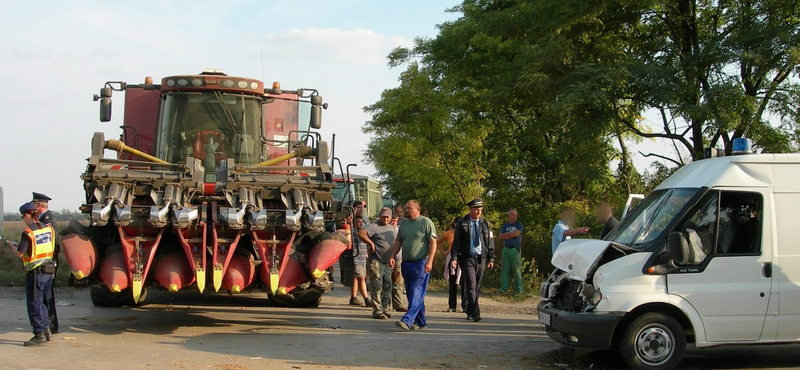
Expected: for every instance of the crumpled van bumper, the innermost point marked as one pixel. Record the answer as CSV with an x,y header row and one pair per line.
x,y
579,330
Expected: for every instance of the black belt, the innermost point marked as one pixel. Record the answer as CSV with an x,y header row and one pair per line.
x,y
511,246
476,257
37,270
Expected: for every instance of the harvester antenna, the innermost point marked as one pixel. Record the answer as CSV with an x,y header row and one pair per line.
x,y
262,66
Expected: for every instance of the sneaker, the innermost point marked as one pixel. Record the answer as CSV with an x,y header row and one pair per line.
x,y
477,318
402,309
417,327
469,317
48,335
380,316
356,302
38,340
368,302
387,314
401,325
451,310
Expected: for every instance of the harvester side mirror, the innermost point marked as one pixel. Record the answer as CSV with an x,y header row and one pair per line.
x,y
316,117
105,109
316,112
106,92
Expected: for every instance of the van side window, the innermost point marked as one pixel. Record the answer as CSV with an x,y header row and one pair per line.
x,y
700,229
724,223
741,215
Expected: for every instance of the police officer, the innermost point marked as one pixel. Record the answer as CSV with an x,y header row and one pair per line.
x,y
473,250
46,218
36,248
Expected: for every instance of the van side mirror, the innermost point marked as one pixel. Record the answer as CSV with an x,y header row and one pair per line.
x,y
678,248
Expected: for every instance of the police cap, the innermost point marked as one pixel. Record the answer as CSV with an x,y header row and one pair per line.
x,y
475,203
39,197
27,208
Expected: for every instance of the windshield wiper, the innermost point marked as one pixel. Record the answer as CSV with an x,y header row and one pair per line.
x,y
225,110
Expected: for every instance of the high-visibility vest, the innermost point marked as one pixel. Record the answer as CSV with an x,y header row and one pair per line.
x,y
42,247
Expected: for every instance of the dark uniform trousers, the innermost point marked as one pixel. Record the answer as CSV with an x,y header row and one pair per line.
x,y
47,218
455,286
38,288
472,275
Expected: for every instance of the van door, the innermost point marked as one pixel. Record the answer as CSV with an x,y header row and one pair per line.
x,y
787,269
728,278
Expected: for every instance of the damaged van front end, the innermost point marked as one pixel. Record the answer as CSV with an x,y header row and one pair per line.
x,y
597,283
573,307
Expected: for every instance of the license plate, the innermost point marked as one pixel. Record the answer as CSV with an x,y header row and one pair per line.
x,y
544,318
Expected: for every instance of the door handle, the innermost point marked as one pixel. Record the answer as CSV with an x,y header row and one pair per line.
x,y
766,270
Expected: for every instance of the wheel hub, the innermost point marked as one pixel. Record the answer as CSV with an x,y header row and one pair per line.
x,y
654,345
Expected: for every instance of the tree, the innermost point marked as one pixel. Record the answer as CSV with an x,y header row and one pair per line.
x,y
523,101
423,148
715,70
482,107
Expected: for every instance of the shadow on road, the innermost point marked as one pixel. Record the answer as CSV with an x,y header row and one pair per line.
x,y
732,357
334,334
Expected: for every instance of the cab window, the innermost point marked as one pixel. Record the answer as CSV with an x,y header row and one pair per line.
x,y
741,215
724,223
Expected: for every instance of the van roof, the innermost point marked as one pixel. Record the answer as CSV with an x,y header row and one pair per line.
x,y
733,171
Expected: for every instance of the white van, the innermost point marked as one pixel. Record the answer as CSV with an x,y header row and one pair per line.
x,y
711,257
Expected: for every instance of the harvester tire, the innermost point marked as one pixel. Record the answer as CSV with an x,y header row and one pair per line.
x,y
308,299
305,299
102,297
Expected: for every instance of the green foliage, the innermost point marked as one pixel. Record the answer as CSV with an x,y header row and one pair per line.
x,y
525,102
719,69
421,147
531,280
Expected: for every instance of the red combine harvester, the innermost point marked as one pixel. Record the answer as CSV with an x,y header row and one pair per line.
x,y
217,183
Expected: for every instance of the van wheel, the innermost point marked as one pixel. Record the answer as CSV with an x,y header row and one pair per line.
x,y
653,341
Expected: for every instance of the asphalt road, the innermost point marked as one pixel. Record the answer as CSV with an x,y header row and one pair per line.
x,y
190,331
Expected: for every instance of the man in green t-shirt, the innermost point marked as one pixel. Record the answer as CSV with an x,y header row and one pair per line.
x,y
416,238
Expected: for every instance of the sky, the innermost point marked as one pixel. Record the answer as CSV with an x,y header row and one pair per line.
x,y
55,55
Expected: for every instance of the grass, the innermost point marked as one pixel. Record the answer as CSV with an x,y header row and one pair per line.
x,y
11,272
491,284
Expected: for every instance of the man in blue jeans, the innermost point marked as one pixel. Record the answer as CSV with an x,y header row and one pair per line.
x,y
417,240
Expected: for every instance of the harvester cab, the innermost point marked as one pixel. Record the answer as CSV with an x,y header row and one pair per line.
x,y
217,181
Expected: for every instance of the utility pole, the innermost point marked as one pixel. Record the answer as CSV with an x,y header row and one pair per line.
x,y
2,214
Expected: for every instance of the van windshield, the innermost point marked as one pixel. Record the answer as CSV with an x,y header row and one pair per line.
x,y
648,222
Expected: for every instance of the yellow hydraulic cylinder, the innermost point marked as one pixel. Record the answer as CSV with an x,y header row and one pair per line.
x,y
301,151
121,147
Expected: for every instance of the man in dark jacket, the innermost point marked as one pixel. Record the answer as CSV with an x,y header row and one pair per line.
x,y
473,250
606,216
46,218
